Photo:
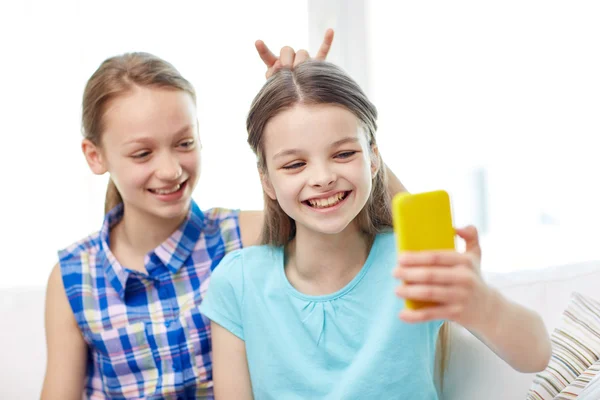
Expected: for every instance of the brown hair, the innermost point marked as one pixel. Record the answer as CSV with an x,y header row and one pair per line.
x,y
115,77
319,82
315,82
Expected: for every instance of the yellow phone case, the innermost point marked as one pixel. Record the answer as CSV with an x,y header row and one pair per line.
x,y
422,221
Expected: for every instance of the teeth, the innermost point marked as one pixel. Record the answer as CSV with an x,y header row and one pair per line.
x,y
328,202
167,191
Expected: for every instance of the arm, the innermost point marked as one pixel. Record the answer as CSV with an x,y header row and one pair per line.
x,y
288,58
452,280
251,223
67,351
515,334
230,367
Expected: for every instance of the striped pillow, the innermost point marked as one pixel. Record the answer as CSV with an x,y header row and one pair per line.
x,y
575,352
576,387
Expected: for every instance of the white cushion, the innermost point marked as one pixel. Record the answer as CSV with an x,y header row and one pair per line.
x,y
474,372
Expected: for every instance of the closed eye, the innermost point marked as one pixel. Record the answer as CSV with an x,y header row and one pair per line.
x,y
346,154
294,165
188,144
141,154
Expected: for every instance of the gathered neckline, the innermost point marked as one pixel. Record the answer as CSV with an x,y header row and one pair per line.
x,y
331,296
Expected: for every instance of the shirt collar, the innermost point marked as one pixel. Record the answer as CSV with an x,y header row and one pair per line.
x,y
172,253
177,248
115,273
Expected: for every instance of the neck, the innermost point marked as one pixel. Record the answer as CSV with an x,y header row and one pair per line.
x,y
141,232
320,264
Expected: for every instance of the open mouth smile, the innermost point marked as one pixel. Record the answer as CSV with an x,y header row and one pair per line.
x,y
329,202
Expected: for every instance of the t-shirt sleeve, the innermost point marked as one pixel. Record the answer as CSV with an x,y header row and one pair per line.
x,y
223,301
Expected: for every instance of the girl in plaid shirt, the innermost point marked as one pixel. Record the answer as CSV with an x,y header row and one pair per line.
x,y
122,317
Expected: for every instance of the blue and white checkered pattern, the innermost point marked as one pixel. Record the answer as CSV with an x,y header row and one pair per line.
x,y
145,334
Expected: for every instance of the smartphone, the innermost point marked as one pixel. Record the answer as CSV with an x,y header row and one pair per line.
x,y
423,221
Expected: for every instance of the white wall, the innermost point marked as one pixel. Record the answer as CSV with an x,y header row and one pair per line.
x,y
510,90
504,90
496,102
49,50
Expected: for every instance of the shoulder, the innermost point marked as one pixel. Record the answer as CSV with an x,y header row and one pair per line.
x,y
251,224
55,287
85,247
383,252
218,216
385,241
247,262
223,224
242,274
260,254
58,305
80,269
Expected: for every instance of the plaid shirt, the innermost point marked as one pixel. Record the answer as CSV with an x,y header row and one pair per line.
x,y
145,335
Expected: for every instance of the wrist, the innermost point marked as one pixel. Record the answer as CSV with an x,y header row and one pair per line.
x,y
490,313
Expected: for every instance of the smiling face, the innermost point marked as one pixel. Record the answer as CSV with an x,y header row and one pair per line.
x,y
150,147
319,166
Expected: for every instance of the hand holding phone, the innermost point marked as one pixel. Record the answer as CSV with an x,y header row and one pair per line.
x,y
423,221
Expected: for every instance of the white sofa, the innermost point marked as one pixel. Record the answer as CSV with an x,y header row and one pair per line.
x,y
474,372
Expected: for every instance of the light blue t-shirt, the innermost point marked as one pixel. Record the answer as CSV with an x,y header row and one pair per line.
x,y
346,345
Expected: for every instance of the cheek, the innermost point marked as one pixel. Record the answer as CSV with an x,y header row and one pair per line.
x,y
190,161
361,173
127,173
287,188
139,175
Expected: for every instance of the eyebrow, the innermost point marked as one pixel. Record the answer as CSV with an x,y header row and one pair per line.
x,y
337,143
344,141
142,139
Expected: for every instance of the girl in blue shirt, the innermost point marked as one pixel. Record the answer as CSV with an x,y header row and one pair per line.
x,y
316,312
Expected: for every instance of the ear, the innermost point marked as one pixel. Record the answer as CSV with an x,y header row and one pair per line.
x,y
94,157
375,160
267,186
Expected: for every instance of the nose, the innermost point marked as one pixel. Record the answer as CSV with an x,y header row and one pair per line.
x,y
322,176
168,168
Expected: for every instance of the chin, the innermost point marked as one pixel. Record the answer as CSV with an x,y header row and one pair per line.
x,y
329,229
171,211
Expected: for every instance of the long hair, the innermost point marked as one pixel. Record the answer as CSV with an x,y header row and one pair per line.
x,y
311,83
319,82
115,77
